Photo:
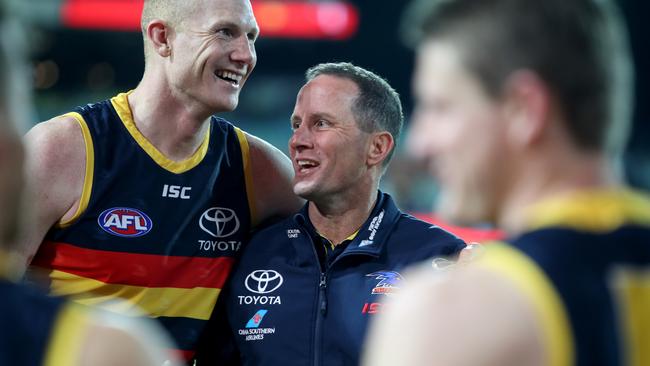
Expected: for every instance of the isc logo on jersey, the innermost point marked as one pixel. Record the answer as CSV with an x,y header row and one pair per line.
x,y
126,222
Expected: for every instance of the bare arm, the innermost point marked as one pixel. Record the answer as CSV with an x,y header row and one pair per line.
x,y
84,336
475,317
126,344
272,181
56,159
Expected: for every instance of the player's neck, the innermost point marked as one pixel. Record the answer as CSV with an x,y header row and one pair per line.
x,y
176,131
552,178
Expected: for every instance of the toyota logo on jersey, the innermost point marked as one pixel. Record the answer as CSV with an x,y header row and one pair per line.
x,y
219,222
125,222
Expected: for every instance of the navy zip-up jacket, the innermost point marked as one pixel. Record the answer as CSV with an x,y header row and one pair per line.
x,y
282,308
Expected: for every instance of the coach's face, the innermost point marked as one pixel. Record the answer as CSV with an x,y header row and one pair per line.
x,y
327,148
457,128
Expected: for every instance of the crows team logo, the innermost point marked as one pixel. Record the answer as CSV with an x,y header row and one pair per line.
x,y
126,222
388,284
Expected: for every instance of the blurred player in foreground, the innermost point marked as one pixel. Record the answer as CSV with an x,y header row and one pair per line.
x,y
523,109
36,329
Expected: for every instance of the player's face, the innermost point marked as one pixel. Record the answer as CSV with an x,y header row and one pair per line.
x,y
456,128
213,52
327,148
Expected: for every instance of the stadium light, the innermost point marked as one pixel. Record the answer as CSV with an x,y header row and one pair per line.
x,y
333,20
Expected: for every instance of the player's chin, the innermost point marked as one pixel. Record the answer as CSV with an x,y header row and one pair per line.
x,y
230,104
223,101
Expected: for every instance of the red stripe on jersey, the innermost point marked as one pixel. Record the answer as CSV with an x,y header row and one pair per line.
x,y
147,270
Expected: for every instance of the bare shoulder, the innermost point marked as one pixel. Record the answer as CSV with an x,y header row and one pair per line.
x,y
54,145
468,316
272,176
55,166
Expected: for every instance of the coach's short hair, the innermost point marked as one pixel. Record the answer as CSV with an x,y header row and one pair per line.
x,y
578,47
377,107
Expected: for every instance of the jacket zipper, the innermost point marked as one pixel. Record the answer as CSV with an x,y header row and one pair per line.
x,y
322,309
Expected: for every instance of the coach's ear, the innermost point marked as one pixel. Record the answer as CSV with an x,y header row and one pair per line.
x,y
528,107
160,35
380,145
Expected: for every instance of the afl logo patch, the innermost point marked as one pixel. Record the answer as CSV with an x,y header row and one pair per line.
x,y
125,222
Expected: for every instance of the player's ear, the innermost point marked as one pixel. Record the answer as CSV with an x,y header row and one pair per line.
x,y
159,33
527,107
381,144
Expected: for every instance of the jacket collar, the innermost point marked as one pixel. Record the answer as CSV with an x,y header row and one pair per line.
x,y
374,232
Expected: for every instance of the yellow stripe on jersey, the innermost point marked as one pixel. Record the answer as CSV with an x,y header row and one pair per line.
x,y
88,175
248,173
195,303
66,339
595,211
631,287
547,303
121,105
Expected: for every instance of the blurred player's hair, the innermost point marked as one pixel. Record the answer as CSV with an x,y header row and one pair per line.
x,y
579,48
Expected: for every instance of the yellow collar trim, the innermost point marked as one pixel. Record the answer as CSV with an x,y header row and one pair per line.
x,y
599,210
349,238
121,105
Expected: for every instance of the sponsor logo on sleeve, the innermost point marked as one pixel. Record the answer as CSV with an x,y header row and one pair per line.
x,y
125,222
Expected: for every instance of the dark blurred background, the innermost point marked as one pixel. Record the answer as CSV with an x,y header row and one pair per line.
x,y
89,50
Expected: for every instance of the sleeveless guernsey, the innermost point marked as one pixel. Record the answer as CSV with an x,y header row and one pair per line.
x,y
152,234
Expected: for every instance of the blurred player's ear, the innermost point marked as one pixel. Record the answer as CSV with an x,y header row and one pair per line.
x,y
528,107
381,144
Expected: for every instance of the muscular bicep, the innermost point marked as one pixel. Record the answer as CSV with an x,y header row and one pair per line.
x,y
272,176
55,167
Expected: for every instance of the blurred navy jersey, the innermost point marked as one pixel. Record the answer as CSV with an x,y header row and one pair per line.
x,y
37,329
585,265
290,303
160,234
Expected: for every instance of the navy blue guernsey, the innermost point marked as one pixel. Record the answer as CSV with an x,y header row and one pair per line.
x,y
159,234
38,329
590,256
27,319
284,306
